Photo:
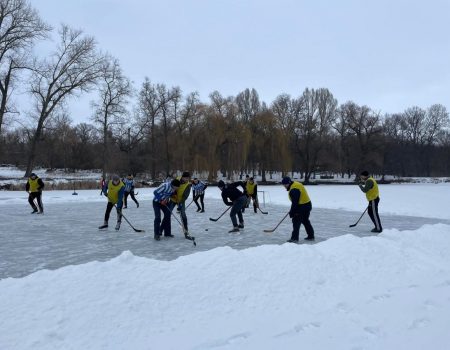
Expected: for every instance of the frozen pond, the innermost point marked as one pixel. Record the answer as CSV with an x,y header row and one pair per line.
x,y
67,234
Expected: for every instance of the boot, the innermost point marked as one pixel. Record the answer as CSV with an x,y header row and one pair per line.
x,y
34,211
241,225
118,225
105,225
235,229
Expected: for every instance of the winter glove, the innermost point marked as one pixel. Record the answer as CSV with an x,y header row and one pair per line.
x,y
164,201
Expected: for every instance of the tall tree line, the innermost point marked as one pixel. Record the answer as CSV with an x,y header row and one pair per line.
x,y
158,129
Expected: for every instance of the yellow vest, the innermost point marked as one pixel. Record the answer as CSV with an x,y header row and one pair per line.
x,y
250,188
373,192
113,191
304,198
33,184
178,196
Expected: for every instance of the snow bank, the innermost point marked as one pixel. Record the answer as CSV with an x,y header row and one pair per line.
x,y
385,292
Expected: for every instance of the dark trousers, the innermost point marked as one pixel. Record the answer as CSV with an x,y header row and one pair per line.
x,y
38,196
236,209
255,203
302,217
159,226
182,210
372,209
201,197
109,207
132,197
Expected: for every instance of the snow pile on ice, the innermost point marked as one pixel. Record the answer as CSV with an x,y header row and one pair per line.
x,y
385,292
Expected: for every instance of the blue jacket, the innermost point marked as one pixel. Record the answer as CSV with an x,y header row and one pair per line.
x,y
164,191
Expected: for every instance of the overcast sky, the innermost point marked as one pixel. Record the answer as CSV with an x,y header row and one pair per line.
x,y
387,54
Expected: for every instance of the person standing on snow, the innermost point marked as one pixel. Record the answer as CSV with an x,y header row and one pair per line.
x,y
129,190
161,202
199,188
114,190
370,187
300,209
252,194
179,199
34,188
237,201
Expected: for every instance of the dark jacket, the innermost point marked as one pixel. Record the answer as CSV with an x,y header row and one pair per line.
x,y
231,192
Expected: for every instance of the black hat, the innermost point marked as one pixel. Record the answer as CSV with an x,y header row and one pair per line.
x,y
33,174
175,183
286,180
221,184
365,173
186,174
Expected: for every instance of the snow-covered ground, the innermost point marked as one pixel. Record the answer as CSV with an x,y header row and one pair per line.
x,y
354,291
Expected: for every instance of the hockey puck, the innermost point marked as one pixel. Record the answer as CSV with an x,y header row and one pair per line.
x,y
206,229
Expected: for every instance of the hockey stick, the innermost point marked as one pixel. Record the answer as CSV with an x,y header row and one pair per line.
x,y
186,234
192,201
129,223
278,223
263,212
221,214
356,223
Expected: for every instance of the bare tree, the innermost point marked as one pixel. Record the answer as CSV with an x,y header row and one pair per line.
x,y
313,127
74,67
364,125
110,109
170,100
20,27
150,109
437,119
248,105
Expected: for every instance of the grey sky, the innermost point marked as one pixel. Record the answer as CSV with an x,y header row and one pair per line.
x,y
389,55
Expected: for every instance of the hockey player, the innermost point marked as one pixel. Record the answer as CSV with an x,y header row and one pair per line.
x,y
300,209
370,187
179,198
114,190
34,188
129,190
199,188
161,202
252,193
231,196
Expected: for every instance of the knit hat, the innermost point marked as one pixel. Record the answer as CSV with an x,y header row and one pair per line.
x,y
286,180
221,184
365,173
186,174
115,177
